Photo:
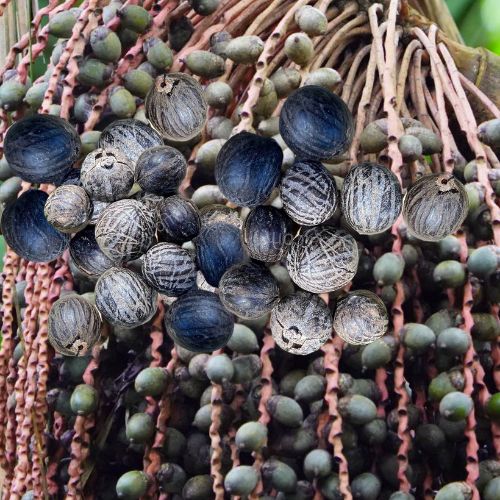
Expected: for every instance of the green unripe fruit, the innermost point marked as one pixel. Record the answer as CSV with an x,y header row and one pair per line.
x,y
132,485
61,24
29,495
219,127
330,487
418,337
349,436
492,490
310,388
89,141
401,495
172,478
12,94
269,127
285,81
374,433
84,399
251,436
241,480
445,383
317,463
243,340
140,428
204,7
454,431
366,486
220,369
285,410
74,367
122,102
470,172
18,352
324,77
456,406
410,147
486,327
110,10
454,491
357,409
94,73
62,403
198,488
289,381
246,368
160,55
453,341
5,171
174,444
218,94
151,381
311,20
374,137
430,438
431,142
449,248
493,407
245,49
484,261
488,470
205,64
34,95
138,82
388,269
267,101
450,274
299,48
376,355
443,319
134,17
489,133
197,366
55,109
279,475
206,156
203,418
365,387
105,44
83,106
127,37
10,189
388,294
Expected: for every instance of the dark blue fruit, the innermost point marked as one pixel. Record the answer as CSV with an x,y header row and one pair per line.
x,y
315,123
199,322
178,219
267,233
27,231
42,148
248,168
218,247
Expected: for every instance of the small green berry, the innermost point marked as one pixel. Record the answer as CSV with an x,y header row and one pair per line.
x,y
218,94
122,102
159,54
311,20
84,399
61,24
132,485
151,381
140,428
299,48
493,407
205,64
456,406
138,82
245,49
105,44
135,17
94,73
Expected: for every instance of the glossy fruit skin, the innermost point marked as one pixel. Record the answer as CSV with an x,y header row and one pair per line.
x,y
267,233
218,247
131,137
176,107
439,195
74,326
124,298
132,485
151,381
169,269
301,323
248,168
308,193
140,428
27,231
360,318
87,255
42,148
322,259
84,399
199,322
456,406
371,198
248,290
493,407
178,219
316,124
160,170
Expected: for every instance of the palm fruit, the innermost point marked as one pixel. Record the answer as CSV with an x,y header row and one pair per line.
x,y
413,418
453,341
289,381
197,366
285,410
492,489
243,340
89,141
285,81
374,137
218,94
310,388
318,463
430,438
251,436
269,127
410,147
486,327
204,7
365,387
492,407
484,261
73,367
488,470
122,102
105,44
244,49
158,53
489,133
19,351
401,495
443,319
388,269
151,382
34,95
454,491
205,64
246,368
450,274
376,354
327,78
174,444
330,487
198,487
171,477
267,101
5,170
138,82
241,480
220,369
61,24
140,428
12,94
132,485
311,20
445,383
299,48
449,248
84,399
357,409
279,475
417,337
456,406
134,17
431,142
10,189
94,72
83,106
374,433
366,486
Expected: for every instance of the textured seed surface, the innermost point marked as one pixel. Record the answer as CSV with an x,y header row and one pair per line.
x,y
371,198
360,318
308,193
301,323
435,206
107,174
129,136
175,106
322,259
178,219
74,326
169,269
125,230
124,298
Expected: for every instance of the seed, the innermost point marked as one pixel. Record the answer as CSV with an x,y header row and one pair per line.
x,y
244,49
330,487
454,341
417,337
311,20
151,382
198,488
492,489
430,438
158,53
301,323
241,480
484,261
89,142
410,147
179,32
178,219
220,369
134,17
251,436
285,81
105,44
366,486
243,340
327,78
219,42
122,102
205,64
138,82
175,106
456,406
124,298
374,433
376,355
285,410
311,388
132,485
247,367
299,48
317,463
279,475
35,94
10,189
206,158
174,444
140,428
486,327
219,127
84,400
94,73
431,143
357,409
61,24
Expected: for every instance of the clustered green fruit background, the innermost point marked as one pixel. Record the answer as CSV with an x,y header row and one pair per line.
x,y
414,414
